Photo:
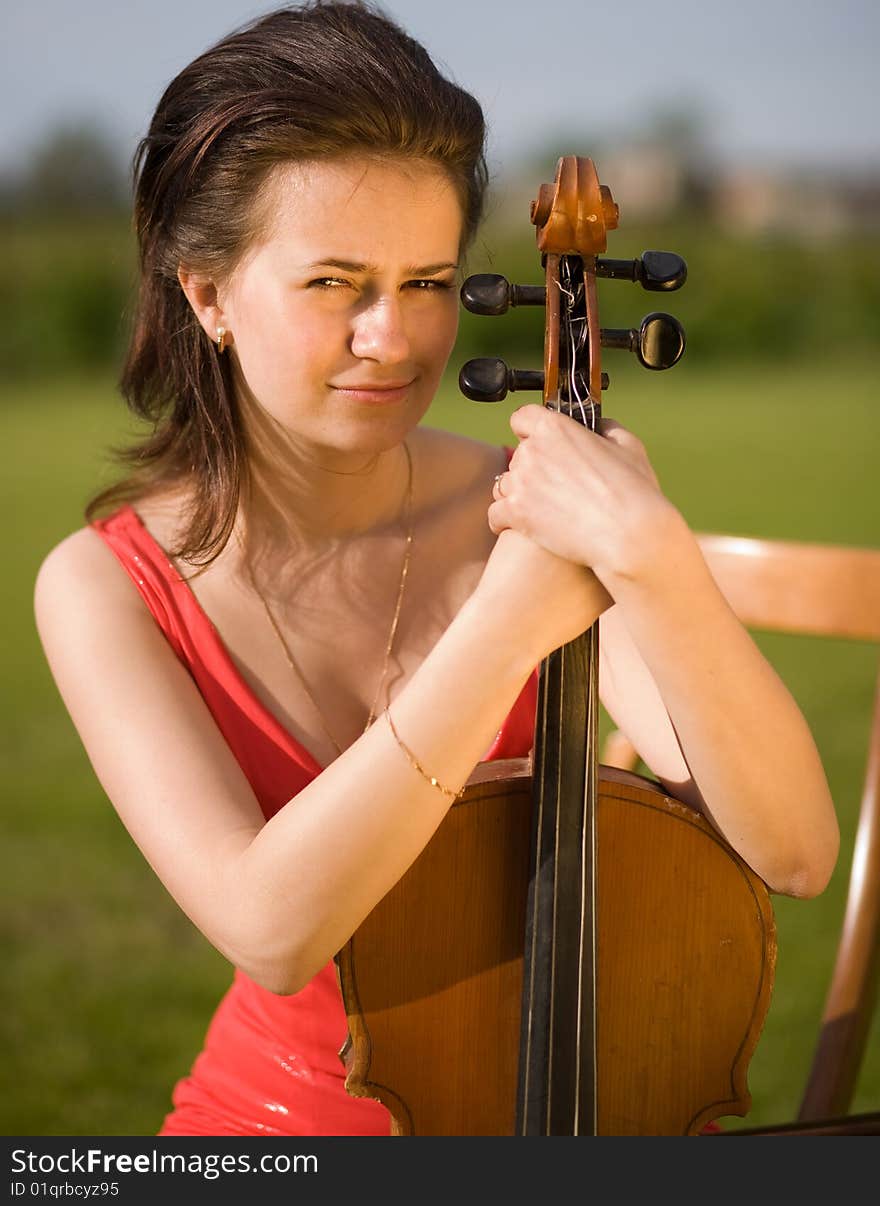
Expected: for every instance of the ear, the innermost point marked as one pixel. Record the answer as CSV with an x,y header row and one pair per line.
x,y
202,294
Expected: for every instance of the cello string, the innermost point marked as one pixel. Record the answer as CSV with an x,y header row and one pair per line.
x,y
590,837
558,760
574,342
570,321
577,331
568,342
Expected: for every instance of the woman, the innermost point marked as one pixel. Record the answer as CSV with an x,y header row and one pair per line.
x,y
285,637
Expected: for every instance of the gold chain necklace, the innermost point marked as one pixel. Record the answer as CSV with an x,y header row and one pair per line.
x,y
408,508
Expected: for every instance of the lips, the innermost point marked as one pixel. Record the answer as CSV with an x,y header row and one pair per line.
x,y
374,392
374,386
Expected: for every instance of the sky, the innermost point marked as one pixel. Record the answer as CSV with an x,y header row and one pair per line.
x,y
789,81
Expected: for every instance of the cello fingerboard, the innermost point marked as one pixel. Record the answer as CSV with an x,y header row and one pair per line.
x,y
557,1093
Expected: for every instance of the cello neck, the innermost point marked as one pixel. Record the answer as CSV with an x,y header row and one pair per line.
x,y
557,1085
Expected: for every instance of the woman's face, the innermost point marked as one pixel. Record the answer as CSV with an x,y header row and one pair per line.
x,y
344,313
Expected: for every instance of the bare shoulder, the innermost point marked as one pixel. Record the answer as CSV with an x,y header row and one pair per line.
x,y
82,591
457,464
82,566
79,562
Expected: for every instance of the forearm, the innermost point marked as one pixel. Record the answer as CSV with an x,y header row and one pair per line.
x,y
748,748
315,870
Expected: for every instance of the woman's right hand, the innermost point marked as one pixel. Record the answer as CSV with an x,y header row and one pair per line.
x,y
544,598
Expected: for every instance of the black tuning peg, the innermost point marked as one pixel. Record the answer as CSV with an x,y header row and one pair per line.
x,y
490,294
490,380
656,271
658,343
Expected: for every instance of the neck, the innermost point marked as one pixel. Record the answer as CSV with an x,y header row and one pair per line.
x,y
315,501
308,495
306,506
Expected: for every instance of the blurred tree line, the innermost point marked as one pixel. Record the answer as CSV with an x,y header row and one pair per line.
x,y
68,273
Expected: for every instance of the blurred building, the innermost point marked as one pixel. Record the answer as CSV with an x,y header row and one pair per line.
x,y
808,203
815,204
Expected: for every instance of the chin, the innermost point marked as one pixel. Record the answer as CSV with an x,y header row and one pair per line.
x,y
372,431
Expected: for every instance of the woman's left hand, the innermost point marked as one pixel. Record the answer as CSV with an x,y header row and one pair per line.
x,y
594,499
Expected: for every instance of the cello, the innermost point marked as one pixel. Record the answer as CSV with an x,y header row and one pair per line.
x,y
575,952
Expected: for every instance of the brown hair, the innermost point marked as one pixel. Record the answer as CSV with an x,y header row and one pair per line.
x,y
304,82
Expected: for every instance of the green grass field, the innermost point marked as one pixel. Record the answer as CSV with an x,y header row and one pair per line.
x,y
108,986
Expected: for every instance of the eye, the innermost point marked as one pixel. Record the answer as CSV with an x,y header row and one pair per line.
x,y
328,282
429,284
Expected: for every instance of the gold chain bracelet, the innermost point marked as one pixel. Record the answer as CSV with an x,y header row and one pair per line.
x,y
453,795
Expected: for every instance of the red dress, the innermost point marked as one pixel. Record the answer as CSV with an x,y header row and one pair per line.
x,y
270,1064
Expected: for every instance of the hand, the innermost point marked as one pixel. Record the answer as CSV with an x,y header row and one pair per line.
x,y
589,498
544,599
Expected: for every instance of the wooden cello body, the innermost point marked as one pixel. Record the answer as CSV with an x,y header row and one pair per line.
x,y
575,952
433,979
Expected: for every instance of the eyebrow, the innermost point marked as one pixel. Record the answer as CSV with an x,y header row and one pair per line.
x,y
354,266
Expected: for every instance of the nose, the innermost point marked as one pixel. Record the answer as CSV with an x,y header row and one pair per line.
x,y
379,332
